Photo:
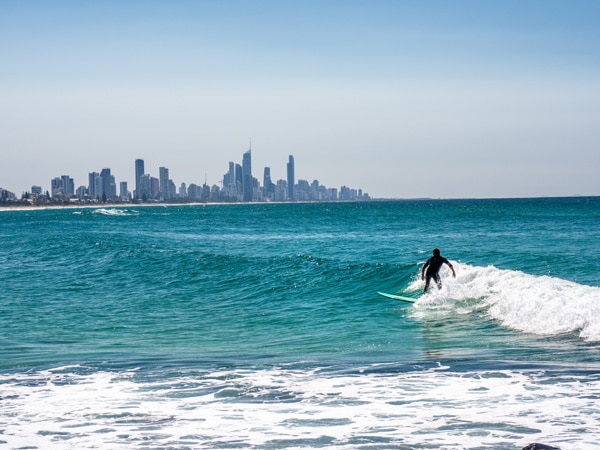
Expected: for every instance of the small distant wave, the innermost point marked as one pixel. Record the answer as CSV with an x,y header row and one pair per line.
x,y
541,305
115,212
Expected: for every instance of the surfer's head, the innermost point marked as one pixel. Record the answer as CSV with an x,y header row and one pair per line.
x,y
436,252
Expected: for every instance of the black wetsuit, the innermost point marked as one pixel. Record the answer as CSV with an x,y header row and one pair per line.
x,y
433,266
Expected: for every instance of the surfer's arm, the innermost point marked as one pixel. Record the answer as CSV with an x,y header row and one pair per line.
x,y
451,268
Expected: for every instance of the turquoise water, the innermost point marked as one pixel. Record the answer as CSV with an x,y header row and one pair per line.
x,y
259,326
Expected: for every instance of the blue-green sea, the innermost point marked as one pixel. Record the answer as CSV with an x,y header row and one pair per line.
x,y
259,326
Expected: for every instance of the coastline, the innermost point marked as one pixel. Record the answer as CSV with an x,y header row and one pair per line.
x,y
99,206
32,207
145,205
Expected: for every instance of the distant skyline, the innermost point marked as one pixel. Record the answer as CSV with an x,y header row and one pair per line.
x,y
404,99
57,185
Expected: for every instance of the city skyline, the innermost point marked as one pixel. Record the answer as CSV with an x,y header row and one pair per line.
x,y
238,184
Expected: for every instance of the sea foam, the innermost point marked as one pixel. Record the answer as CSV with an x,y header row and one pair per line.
x,y
114,212
542,305
283,408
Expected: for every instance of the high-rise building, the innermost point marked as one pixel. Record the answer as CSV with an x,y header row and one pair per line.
x,y
68,185
56,186
143,192
7,195
98,187
109,186
239,176
163,176
290,178
123,194
194,191
268,186
247,182
172,190
229,185
139,172
267,176
154,188
81,192
63,185
94,185
281,191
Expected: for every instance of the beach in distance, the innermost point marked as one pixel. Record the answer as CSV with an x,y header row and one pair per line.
x,y
259,325
19,206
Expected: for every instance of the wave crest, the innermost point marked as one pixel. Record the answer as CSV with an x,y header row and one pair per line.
x,y
114,212
541,305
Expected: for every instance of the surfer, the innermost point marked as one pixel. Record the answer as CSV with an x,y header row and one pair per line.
x,y
432,268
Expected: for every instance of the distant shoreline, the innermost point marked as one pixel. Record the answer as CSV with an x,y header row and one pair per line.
x,y
5,207
99,206
145,205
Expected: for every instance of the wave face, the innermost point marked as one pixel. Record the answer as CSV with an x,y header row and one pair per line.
x,y
542,305
260,326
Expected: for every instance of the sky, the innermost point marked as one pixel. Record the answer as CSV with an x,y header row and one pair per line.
x,y
403,99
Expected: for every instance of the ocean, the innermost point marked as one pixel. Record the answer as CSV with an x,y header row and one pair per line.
x,y
259,326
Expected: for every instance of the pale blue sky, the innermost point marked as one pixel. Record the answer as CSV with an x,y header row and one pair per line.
x,y
400,98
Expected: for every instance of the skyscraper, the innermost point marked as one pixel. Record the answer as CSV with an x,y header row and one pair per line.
x,y
63,186
229,185
139,172
247,184
68,185
268,186
144,191
163,175
109,187
154,188
94,185
123,193
290,178
239,182
56,186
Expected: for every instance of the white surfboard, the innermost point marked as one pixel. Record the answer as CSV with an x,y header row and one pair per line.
x,y
401,298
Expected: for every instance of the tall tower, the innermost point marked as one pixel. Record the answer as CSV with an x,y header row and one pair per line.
x,y
144,192
94,186
239,190
68,185
109,189
139,172
247,185
123,194
163,174
290,178
268,186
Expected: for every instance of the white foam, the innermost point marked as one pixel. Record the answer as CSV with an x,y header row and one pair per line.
x,y
114,212
434,408
534,304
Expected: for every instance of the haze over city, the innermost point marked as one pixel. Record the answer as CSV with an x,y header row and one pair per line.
x,y
402,99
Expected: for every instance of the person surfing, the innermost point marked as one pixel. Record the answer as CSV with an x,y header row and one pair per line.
x,y
432,267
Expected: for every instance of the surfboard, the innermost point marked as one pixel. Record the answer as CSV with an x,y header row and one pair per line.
x,y
402,298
